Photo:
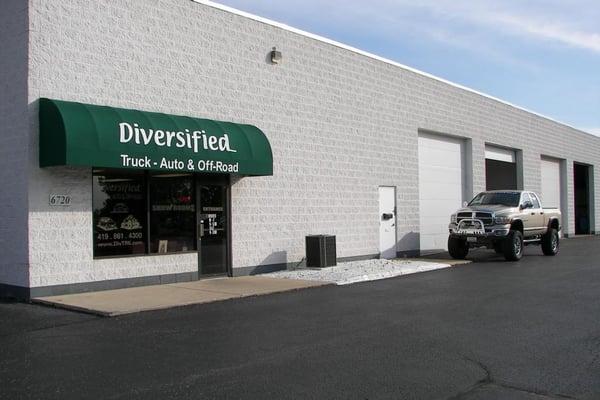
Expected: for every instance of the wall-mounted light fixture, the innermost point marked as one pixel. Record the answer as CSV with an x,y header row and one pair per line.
x,y
276,56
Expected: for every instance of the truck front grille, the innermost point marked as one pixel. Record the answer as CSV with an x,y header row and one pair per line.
x,y
485,217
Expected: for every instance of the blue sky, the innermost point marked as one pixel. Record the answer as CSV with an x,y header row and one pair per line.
x,y
543,55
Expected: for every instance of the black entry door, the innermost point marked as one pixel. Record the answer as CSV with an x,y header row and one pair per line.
x,y
213,226
582,199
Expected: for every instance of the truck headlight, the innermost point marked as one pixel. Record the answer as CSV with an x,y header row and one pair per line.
x,y
502,220
453,219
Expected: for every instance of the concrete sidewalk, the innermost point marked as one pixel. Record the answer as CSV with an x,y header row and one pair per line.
x,y
145,298
131,300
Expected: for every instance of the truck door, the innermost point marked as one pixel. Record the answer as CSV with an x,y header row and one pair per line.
x,y
541,218
536,215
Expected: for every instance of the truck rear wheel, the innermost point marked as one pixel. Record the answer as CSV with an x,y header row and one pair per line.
x,y
550,242
513,246
457,248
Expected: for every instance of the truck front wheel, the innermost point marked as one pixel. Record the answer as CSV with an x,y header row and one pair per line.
x,y
550,242
499,247
513,246
457,248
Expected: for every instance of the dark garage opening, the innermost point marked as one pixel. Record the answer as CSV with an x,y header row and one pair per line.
x,y
581,180
500,175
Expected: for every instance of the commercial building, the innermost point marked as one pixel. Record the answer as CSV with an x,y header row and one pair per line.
x,y
147,142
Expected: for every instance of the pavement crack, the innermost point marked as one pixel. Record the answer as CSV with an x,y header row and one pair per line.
x,y
489,380
488,373
44,328
533,391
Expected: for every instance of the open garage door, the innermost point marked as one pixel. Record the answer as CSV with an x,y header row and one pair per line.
x,y
500,168
551,183
583,191
441,187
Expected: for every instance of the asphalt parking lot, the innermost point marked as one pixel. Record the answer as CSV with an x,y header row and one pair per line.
x,y
488,330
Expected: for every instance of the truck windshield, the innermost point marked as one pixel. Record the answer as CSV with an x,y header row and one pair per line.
x,y
510,199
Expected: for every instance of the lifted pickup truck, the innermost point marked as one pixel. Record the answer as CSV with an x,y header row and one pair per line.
x,y
504,221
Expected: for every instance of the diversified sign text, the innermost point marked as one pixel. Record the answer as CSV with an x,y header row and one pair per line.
x,y
193,140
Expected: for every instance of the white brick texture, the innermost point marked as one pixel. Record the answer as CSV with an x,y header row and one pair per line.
x,y
13,142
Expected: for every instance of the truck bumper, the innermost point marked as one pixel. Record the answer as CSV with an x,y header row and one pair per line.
x,y
492,234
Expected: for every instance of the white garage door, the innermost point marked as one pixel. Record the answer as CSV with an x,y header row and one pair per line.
x,y
440,187
500,154
550,183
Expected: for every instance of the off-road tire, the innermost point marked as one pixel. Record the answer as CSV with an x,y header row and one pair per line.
x,y
457,248
513,246
550,242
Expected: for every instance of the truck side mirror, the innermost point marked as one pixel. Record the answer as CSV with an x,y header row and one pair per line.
x,y
526,205
465,204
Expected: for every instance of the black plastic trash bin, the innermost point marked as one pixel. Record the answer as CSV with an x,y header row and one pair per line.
x,y
320,251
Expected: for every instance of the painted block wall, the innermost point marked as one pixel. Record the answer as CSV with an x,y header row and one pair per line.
x,y
340,124
13,142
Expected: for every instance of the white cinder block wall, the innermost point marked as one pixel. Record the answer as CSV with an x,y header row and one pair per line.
x,y
340,124
13,143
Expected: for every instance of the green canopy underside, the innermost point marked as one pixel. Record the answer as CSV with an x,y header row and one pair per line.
x,y
89,135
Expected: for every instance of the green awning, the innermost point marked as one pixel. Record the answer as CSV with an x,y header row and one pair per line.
x,y
99,136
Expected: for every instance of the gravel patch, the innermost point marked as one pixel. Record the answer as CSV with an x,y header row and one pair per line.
x,y
359,271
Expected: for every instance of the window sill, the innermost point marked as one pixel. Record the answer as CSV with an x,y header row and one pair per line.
x,y
145,255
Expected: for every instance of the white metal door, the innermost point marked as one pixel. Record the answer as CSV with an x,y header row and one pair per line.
x,y
550,183
441,187
387,222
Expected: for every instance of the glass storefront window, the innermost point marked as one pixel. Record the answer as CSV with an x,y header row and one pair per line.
x,y
172,213
119,213
137,213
